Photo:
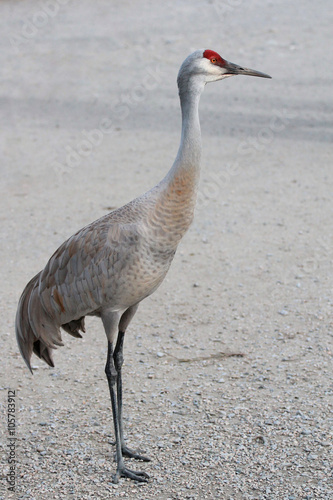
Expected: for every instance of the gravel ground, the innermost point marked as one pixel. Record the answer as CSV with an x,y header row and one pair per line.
x,y
228,366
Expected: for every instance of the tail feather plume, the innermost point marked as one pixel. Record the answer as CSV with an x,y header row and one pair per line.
x,y
43,352
24,335
35,330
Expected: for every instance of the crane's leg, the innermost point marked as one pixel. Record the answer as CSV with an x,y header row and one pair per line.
x,y
118,362
112,377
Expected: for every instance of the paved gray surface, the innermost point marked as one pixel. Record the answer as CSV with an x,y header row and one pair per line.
x,y
252,276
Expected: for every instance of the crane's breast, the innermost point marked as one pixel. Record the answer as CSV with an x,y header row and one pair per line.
x,y
138,264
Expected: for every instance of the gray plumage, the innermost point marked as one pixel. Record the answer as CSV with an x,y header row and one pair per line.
x,y
107,268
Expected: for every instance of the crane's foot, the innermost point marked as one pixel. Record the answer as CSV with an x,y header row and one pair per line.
x,y
127,452
122,471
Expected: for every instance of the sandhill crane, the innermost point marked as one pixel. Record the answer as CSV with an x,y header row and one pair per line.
x,y
107,268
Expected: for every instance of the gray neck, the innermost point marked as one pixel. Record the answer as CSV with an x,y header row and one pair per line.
x,y
189,153
177,192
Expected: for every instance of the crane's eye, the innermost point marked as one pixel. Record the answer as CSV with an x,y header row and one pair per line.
x,y
213,60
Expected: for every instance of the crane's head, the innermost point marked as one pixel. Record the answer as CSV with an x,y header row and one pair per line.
x,y
209,66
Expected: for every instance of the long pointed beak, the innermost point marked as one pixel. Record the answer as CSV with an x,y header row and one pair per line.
x,y
234,69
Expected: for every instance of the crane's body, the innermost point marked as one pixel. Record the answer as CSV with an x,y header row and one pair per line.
x,y
107,268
